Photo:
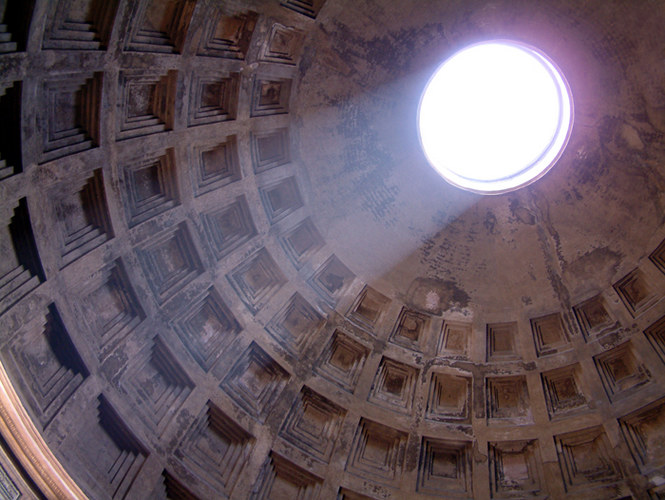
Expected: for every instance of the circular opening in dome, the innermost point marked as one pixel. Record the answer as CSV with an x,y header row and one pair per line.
x,y
495,116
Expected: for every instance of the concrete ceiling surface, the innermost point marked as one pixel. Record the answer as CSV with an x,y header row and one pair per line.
x,y
229,272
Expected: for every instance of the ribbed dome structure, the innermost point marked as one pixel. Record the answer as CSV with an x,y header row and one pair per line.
x,y
228,270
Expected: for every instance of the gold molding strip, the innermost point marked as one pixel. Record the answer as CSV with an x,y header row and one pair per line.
x,y
30,448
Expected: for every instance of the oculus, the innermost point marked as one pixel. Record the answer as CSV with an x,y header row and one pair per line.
x,y
495,117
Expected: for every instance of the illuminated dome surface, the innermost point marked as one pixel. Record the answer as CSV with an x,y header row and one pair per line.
x,y
229,271
495,116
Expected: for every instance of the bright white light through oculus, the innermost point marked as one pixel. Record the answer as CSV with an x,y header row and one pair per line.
x,y
495,116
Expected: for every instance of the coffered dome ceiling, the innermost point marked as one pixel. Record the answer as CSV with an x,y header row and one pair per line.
x,y
229,271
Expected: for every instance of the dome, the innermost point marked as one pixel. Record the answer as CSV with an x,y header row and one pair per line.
x,y
230,272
